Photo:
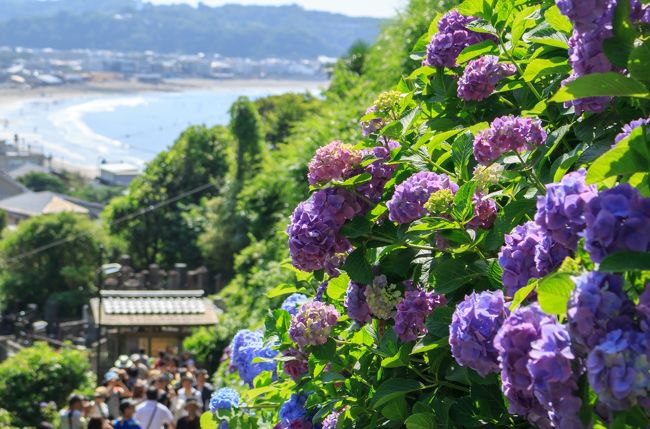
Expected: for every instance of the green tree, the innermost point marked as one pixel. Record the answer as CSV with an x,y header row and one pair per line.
x,y
37,182
246,129
40,374
3,220
49,255
154,219
280,112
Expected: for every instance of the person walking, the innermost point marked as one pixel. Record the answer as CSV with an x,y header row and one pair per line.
x,y
127,421
153,415
192,420
71,417
98,407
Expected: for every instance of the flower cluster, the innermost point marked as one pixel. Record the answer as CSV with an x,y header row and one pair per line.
x,y
331,420
314,238
382,298
452,37
597,305
313,323
474,324
333,161
561,211
293,302
517,256
224,398
618,369
380,173
513,343
246,346
440,202
617,220
387,100
407,203
371,126
553,381
485,212
508,134
643,309
628,128
487,175
413,310
356,304
293,414
297,366
481,77
592,24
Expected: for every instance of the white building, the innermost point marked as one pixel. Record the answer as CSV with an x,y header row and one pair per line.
x,y
118,174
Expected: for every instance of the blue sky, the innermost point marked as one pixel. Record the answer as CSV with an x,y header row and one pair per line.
x,y
377,8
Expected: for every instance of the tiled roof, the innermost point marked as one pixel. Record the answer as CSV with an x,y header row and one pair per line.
x,y
162,307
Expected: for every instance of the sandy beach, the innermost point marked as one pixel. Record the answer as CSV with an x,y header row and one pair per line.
x,y
121,87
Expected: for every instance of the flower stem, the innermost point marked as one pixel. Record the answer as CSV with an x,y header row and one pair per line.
x,y
531,174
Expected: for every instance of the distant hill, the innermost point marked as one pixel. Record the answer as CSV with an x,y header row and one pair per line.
x,y
231,30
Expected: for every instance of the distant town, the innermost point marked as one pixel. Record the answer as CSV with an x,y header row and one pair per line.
x,y
29,68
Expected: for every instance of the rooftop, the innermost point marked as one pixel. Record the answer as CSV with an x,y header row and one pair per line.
x,y
154,308
36,203
120,168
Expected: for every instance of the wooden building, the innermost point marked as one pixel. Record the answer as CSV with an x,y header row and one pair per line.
x,y
149,321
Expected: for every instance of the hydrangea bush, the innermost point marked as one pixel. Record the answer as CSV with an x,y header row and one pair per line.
x,y
479,257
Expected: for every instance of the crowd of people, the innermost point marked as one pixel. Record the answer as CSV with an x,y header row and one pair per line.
x,y
168,392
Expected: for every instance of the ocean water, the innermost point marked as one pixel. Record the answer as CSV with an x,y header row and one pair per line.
x,y
84,131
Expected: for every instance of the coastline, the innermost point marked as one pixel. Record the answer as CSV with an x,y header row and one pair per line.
x,y
122,87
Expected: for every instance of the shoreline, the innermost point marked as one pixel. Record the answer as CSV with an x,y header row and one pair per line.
x,y
122,87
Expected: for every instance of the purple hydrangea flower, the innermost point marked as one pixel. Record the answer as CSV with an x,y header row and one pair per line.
x,y
618,369
380,173
485,212
561,211
513,343
407,203
617,220
331,420
640,13
296,367
453,36
474,324
313,324
643,309
314,238
597,305
412,312
481,76
244,339
356,304
592,24
554,383
508,134
224,398
373,125
528,253
333,161
293,302
628,128
293,414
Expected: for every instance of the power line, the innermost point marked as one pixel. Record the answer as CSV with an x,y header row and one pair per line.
x,y
130,216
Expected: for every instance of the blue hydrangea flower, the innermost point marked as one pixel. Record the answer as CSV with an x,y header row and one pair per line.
x,y
618,369
224,398
474,324
293,302
293,412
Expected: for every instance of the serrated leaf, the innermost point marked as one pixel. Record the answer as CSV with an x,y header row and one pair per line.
x,y
281,290
639,63
421,421
336,287
625,261
486,47
357,267
545,66
522,294
622,159
601,85
394,388
557,21
553,293
396,411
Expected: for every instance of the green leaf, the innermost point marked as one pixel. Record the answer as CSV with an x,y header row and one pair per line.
x,y
522,294
394,388
625,261
357,180
357,227
486,47
557,21
399,359
553,293
325,352
627,157
281,290
451,274
428,343
557,40
358,267
437,323
441,137
461,152
396,410
601,85
639,62
208,421
397,262
545,66
337,287
463,208
421,421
